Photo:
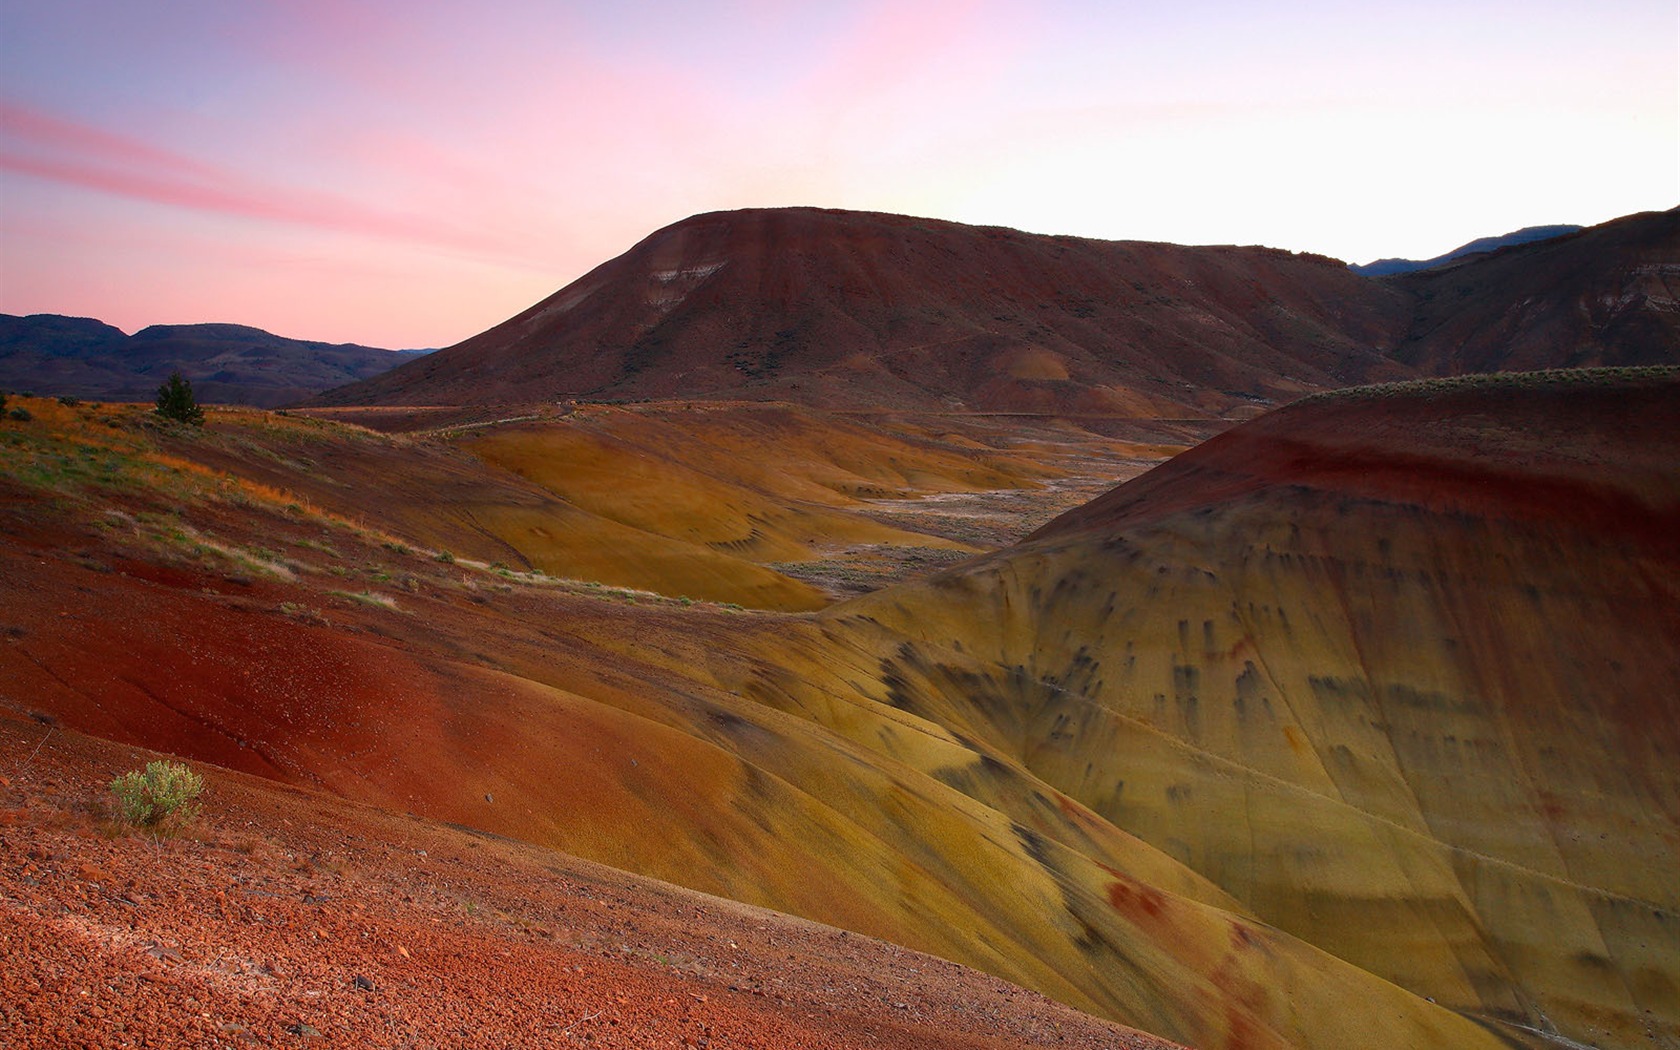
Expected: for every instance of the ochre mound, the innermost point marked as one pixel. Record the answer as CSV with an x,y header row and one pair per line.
x,y
1394,668
710,503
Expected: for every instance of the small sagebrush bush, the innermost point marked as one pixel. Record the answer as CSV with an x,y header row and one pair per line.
x,y
21,414
165,792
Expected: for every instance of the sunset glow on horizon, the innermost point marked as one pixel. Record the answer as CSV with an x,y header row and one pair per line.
x,y
411,174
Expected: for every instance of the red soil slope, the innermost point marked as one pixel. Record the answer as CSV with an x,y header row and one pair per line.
x,y
853,309
286,917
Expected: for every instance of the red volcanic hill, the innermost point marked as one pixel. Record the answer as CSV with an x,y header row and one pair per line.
x,y
864,310
861,310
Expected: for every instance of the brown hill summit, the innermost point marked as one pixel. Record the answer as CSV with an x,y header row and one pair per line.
x,y
853,309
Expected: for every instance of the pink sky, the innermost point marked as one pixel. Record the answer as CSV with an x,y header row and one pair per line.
x,y
411,174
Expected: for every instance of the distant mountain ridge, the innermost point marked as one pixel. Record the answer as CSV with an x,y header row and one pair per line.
x,y
227,363
1526,235
860,310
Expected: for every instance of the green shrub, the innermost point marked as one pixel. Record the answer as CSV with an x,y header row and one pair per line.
x,y
175,401
446,557
21,414
69,402
165,792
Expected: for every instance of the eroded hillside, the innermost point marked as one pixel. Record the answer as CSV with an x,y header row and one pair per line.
x,y
1347,729
1393,668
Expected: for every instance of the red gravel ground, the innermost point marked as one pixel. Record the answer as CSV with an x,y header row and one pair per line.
x,y
285,918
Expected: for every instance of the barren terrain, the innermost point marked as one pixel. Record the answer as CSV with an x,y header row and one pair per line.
x,y
1349,728
284,917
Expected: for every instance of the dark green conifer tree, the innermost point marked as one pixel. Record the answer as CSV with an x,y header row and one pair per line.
x,y
175,401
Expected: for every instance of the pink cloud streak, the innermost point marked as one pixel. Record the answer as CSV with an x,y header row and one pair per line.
x,y
66,152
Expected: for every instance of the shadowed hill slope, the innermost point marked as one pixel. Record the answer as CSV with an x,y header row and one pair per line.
x,y
1606,296
1395,668
853,309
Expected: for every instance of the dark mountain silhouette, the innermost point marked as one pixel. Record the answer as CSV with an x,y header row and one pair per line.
x,y
859,310
227,363
1479,246
865,310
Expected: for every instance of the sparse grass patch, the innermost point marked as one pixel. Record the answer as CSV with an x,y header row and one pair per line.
x,y
316,545
299,611
1485,380
869,567
383,601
